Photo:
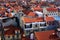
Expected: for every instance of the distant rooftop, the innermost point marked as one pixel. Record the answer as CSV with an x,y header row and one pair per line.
x,y
52,9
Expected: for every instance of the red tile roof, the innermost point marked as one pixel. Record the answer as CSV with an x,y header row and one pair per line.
x,y
26,20
51,5
31,14
29,20
38,9
43,3
52,9
49,19
40,19
11,30
26,12
43,35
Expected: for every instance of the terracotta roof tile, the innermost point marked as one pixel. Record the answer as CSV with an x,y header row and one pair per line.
x,y
31,14
43,3
40,19
9,32
51,5
43,35
38,9
52,9
29,20
49,19
26,20
26,12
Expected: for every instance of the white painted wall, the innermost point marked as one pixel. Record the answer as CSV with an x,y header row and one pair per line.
x,y
52,13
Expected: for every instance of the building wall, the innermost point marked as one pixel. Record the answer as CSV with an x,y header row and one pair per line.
x,y
52,13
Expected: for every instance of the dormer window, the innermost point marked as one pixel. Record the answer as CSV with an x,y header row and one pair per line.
x,y
28,25
42,24
34,24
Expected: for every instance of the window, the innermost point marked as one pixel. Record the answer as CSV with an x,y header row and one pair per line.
x,y
36,30
49,14
56,13
28,26
43,24
36,25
